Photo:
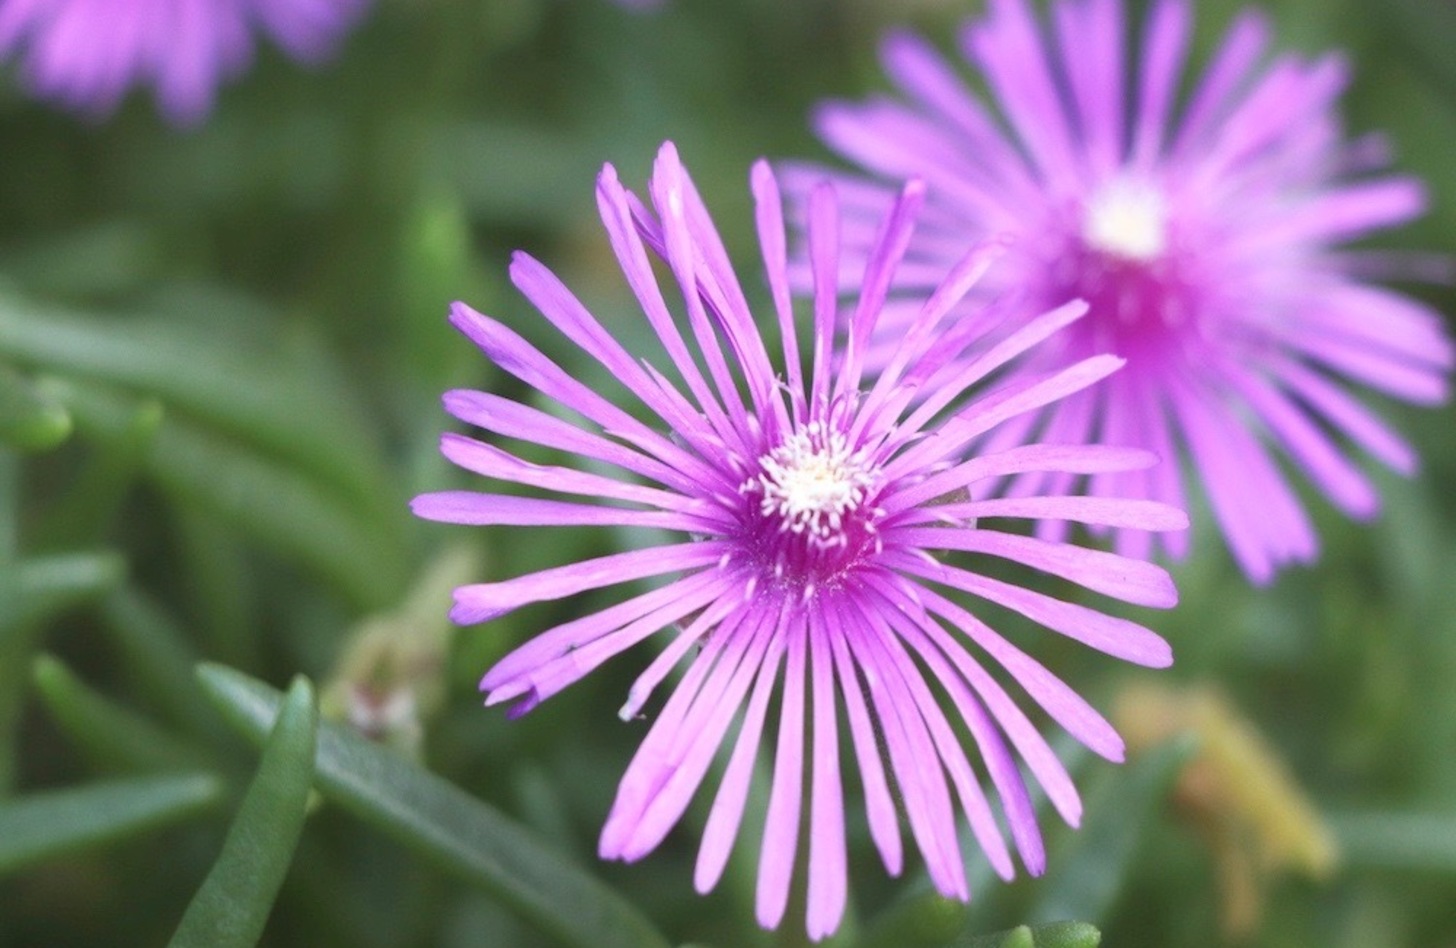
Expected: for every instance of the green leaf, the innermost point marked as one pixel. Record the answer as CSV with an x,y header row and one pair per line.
x,y
34,590
110,734
1397,840
360,549
447,826
159,659
435,265
51,584
919,918
53,822
235,900
16,638
1086,878
222,585
276,396
108,258
28,420
1019,937
1055,935
277,506
9,538
118,459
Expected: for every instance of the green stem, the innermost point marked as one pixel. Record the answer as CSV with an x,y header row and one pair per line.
x,y
9,534
12,648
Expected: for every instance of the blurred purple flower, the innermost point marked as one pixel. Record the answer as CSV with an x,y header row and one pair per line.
x,y
814,510
85,54
1207,237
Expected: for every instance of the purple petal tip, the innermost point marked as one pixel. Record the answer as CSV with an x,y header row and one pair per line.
x,y
470,613
523,707
1157,656
463,317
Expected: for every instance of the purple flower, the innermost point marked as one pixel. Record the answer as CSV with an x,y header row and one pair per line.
x,y
1207,234
808,514
85,54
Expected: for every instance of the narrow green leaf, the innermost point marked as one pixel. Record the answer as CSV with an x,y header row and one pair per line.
x,y
53,822
1067,935
28,420
9,538
1085,880
34,590
117,461
235,900
16,639
159,658
1397,840
222,583
110,734
51,584
105,259
435,264
277,506
919,918
1055,935
1018,937
360,548
447,826
283,398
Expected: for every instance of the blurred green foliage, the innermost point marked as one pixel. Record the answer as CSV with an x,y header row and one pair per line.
x,y
221,353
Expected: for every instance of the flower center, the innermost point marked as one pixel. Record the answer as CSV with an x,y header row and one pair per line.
x,y
812,482
1126,219
1121,253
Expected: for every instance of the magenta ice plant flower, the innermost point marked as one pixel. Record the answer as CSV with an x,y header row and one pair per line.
x,y
85,54
818,542
1208,233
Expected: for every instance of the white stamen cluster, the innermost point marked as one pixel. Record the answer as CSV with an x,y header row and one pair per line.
x,y
812,481
1127,219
